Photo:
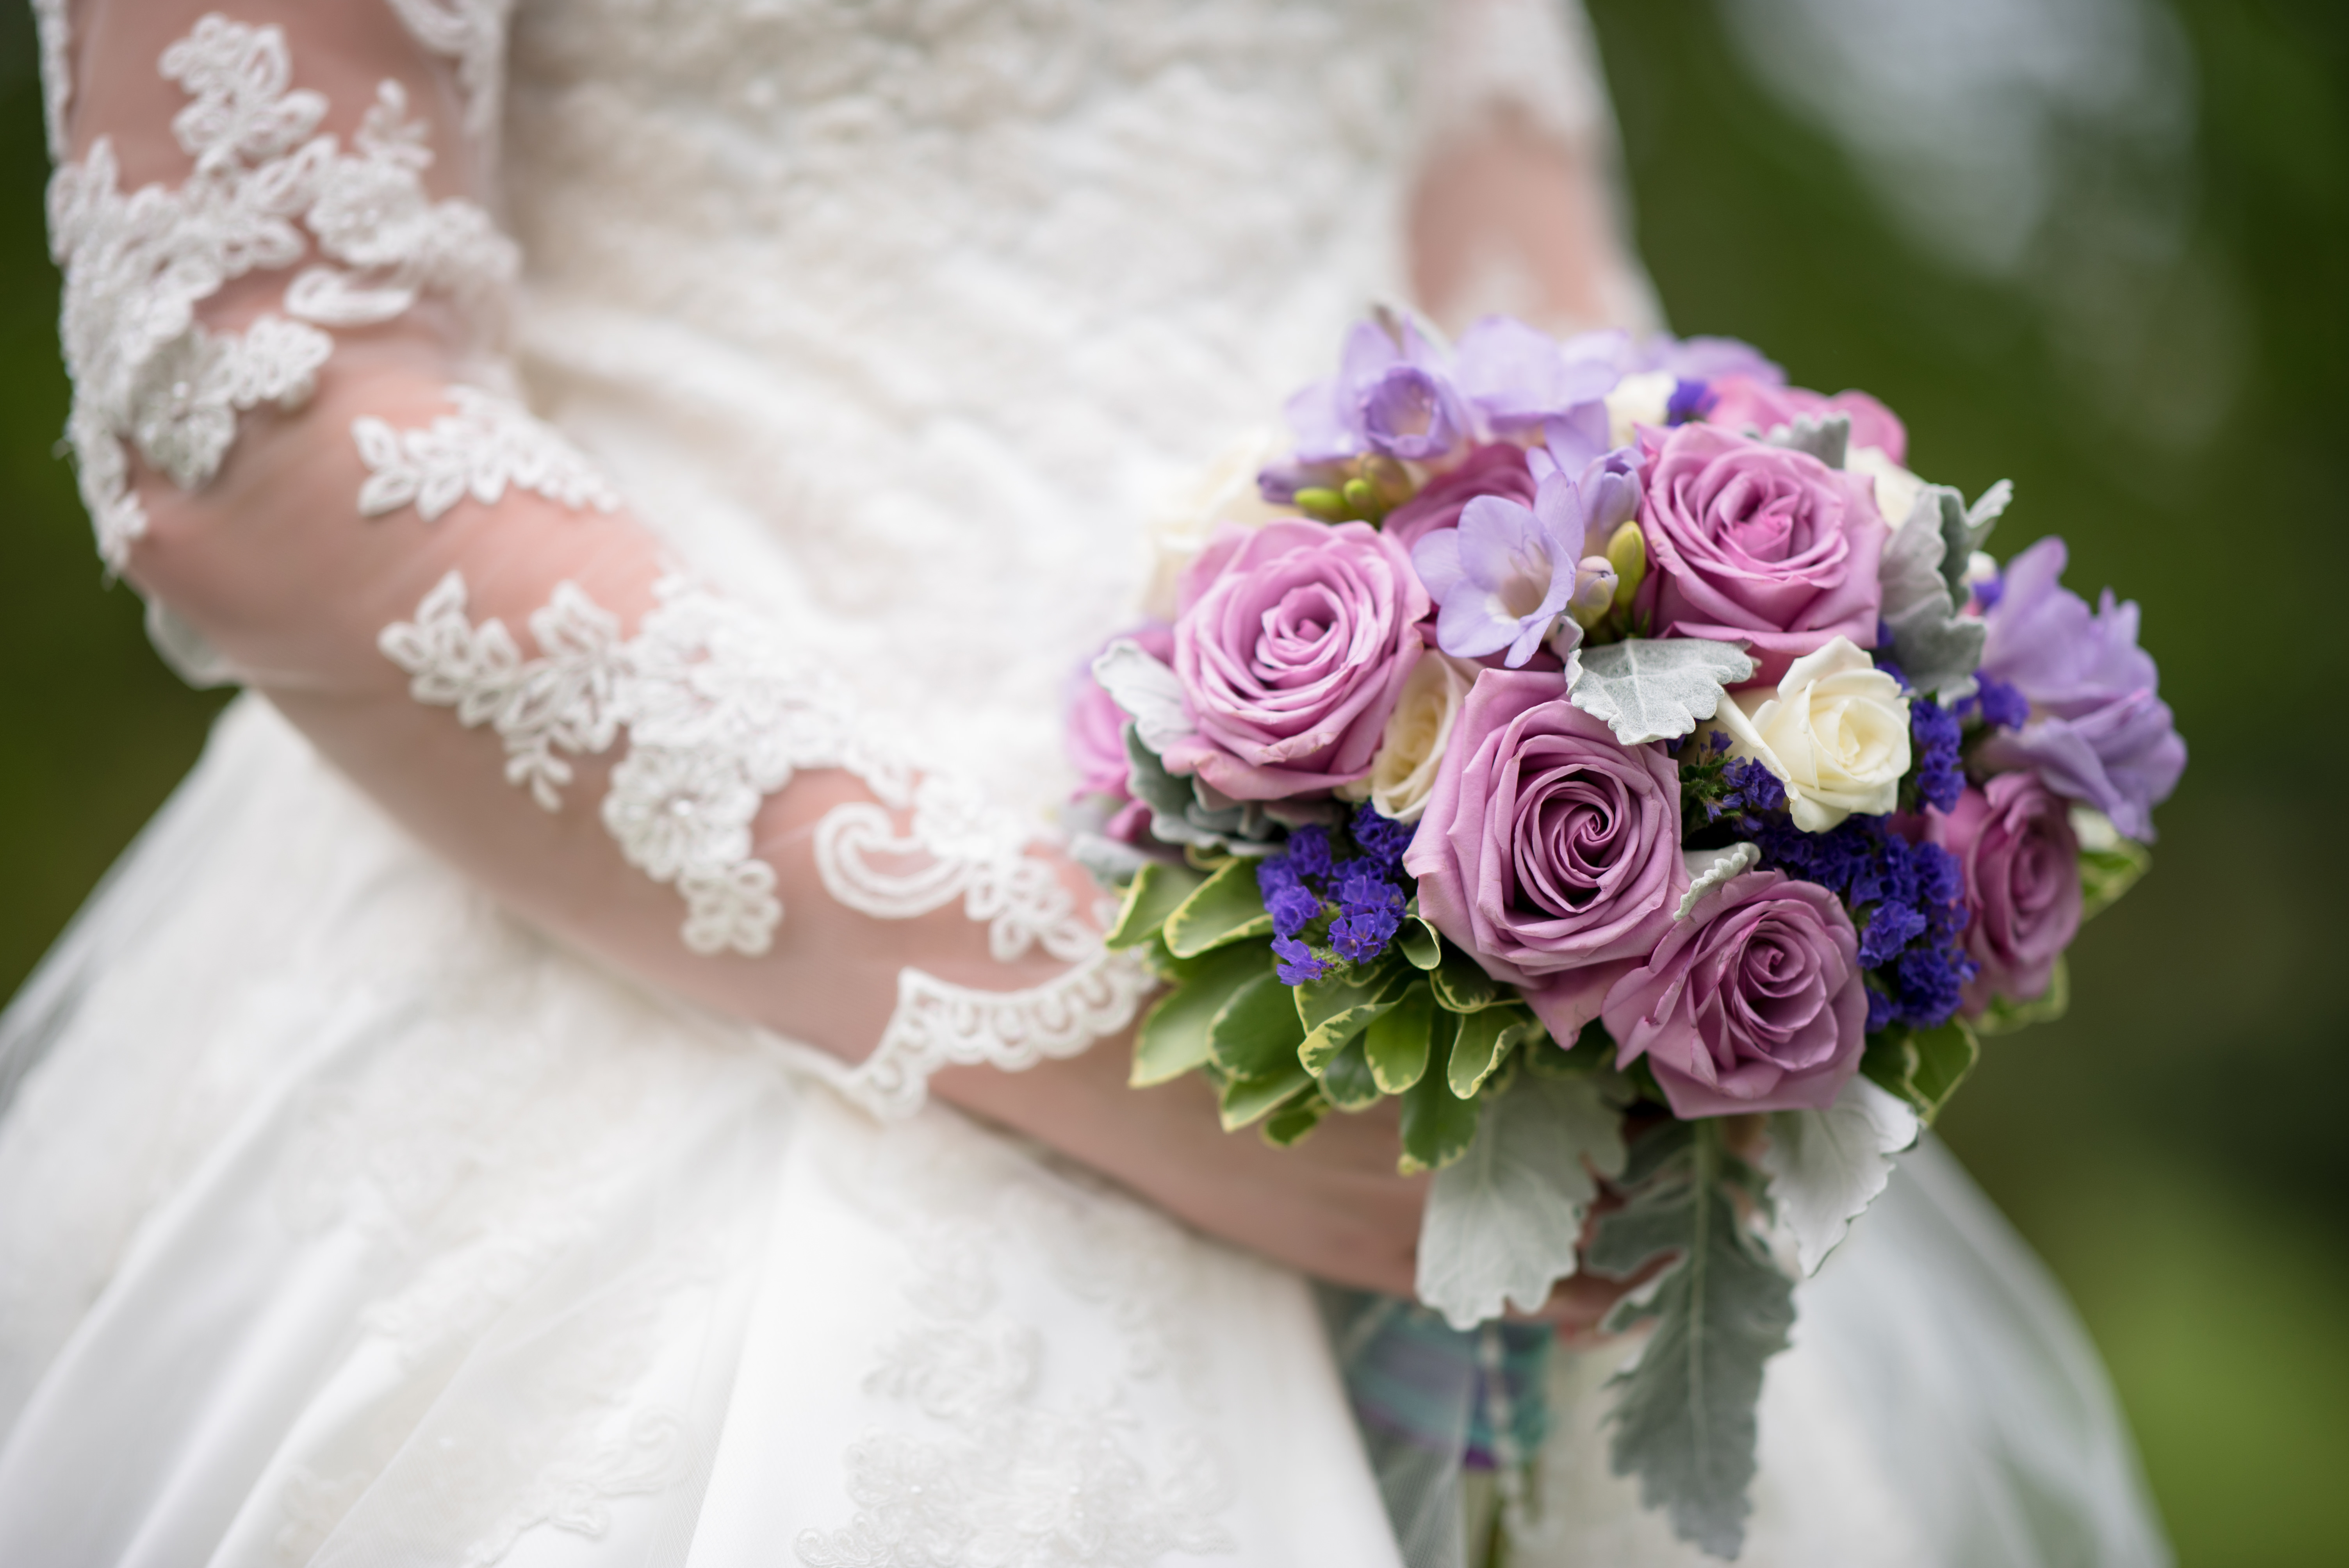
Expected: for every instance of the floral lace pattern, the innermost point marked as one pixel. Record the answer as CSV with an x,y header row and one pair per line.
x,y
486,445
145,371
721,712
988,1469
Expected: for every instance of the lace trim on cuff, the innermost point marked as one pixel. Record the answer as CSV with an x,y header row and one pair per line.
x,y
937,1025
145,372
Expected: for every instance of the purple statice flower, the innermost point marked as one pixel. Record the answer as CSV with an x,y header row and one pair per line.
x,y
1381,838
1930,982
1880,1008
1689,400
1298,962
1892,927
1394,395
1519,378
1988,592
1940,773
1369,913
1308,851
2001,704
1292,905
1504,576
2097,732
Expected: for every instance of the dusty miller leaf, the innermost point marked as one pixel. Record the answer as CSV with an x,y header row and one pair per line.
x,y
1181,814
1146,689
1502,1225
1656,688
1936,648
1708,869
1827,1166
1683,1413
1827,437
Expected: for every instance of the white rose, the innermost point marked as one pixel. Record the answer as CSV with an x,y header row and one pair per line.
x,y
1225,491
1642,400
1836,734
1897,489
1417,732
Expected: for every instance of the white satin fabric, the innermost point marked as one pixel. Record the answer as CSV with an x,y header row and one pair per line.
x,y
344,1219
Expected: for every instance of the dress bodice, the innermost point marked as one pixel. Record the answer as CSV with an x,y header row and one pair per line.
x,y
900,317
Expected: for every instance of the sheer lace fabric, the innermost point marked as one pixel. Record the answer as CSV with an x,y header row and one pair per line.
x,y
721,708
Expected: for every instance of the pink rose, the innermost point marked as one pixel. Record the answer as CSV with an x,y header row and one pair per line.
x,y
1754,543
2014,837
1549,850
1740,401
1753,1003
1292,643
1498,470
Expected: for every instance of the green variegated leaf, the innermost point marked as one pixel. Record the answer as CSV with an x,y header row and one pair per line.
x,y
1683,1416
1483,1043
1157,891
1251,1099
1502,1225
1341,1007
1347,1079
1255,1034
1461,986
1174,1038
1397,1044
1293,1120
2108,872
1437,1125
1224,909
2003,1016
1421,947
1922,1066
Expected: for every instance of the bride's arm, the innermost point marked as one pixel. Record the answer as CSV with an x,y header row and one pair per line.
x,y
283,290
1516,206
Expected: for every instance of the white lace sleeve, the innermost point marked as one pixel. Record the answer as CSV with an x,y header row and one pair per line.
x,y
410,528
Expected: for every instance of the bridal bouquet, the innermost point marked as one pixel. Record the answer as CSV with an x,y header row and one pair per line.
x,y
1620,757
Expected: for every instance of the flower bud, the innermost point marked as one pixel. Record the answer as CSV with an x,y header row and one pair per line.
x,y
1594,591
1627,554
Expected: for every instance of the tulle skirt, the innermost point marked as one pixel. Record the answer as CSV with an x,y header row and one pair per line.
x,y
344,1220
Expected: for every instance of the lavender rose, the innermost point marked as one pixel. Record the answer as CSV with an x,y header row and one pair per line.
x,y
1740,400
1548,851
1755,544
1292,645
2097,732
1753,1003
1498,470
2013,840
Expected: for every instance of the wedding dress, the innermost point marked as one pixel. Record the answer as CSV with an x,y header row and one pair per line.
x,y
658,460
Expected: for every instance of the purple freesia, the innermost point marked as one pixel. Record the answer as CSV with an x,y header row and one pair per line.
x,y
2097,731
1500,469
1707,359
1518,378
1394,395
1504,575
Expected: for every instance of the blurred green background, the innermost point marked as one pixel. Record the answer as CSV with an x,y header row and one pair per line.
x,y
2156,364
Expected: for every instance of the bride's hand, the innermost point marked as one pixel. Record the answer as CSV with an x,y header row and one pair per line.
x,y
1332,1207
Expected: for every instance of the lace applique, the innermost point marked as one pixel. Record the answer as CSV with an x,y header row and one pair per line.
x,y
473,34
721,714
144,370
371,213
936,1024
487,445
